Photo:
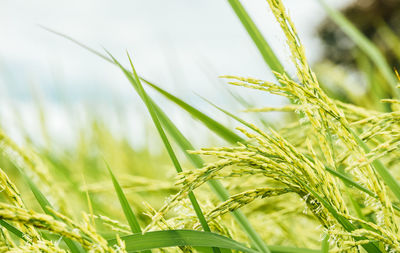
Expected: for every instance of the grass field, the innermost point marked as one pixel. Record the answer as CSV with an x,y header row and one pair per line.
x,y
325,178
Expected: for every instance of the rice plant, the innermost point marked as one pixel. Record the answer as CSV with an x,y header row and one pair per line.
x,y
325,181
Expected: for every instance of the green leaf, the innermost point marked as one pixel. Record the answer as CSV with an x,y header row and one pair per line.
x,y
135,81
369,247
12,229
197,239
42,200
231,115
173,238
263,47
129,215
325,244
390,181
78,43
44,203
283,249
246,104
346,179
365,45
349,181
212,124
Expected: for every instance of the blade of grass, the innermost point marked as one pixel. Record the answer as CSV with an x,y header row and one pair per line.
x,y
346,179
173,238
369,247
365,45
263,47
248,105
167,145
13,229
89,202
275,249
230,114
283,249
104,57
349,181
135,81
129,215
44,204
390,181
128,212
325,244
212,124
196,160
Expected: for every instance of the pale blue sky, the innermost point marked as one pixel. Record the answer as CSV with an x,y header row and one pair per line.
x,y
183,45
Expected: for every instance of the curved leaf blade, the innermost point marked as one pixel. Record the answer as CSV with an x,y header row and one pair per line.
x,y
197,239
174,238
12,229
44,204
135,81
129,215
212,124
263,47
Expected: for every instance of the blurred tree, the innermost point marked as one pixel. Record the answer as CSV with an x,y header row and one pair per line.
x,y
379,20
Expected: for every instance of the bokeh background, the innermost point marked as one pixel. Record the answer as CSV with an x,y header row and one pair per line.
x,y
183,46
